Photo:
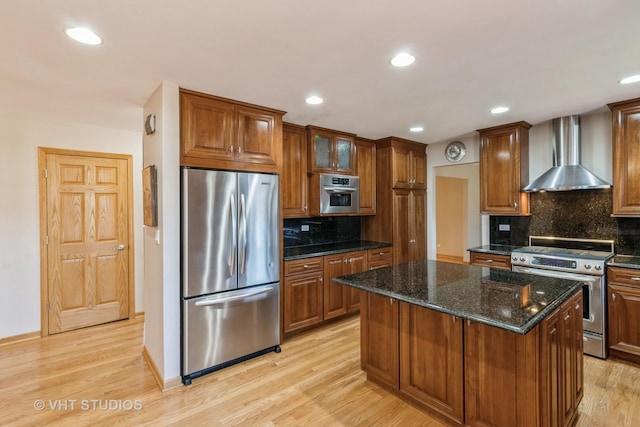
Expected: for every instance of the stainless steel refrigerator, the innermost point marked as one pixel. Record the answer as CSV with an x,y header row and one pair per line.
x,y
230,268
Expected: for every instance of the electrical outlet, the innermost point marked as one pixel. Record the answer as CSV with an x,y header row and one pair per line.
x,y
304,227
504,227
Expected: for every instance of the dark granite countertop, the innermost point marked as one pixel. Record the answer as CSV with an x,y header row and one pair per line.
x,y
299,252
495,249
504,299
626,261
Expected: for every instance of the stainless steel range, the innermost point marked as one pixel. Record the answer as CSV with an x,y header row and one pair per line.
x,y
576,259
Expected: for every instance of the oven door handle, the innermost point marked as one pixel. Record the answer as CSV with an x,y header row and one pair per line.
x,y
340,189
555,275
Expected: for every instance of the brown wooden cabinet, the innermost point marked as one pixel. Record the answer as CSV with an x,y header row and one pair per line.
x,y
340,299
504,169
365,154
379,339
624,313
481,259
379,258
401,199
221,133
331,151
429,335
561,364
409,225
626,157
472,373
294,183
303,293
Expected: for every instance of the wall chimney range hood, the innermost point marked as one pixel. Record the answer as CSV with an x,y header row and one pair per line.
x,y
567,173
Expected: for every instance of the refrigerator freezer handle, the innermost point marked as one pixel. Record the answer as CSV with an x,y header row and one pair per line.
x,y
239,296
234,236
243,228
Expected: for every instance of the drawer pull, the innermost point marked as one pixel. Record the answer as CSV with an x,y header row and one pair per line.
x,y
613,297
635,279
489,260
305,266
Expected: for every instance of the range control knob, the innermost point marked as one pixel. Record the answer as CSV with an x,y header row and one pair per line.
x,y
598,267
587,266
522,259
515,258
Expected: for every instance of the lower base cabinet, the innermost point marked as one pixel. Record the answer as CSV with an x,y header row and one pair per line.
x,y
624,313
471,373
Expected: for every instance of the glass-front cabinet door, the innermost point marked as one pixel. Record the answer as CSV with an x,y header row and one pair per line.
x,y
330,151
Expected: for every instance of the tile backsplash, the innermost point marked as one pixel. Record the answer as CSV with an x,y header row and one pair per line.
x,y
317,231
583,214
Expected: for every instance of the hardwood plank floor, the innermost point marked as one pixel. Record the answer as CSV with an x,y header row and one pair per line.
x,y
98,376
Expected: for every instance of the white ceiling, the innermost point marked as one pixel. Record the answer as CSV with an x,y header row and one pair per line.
x,y
543,58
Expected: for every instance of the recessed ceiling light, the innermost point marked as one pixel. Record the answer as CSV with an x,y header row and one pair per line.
x,y
83,35
499,110
416,129
402,60
630,79
314,100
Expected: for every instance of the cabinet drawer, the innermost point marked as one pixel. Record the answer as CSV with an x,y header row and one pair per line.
x,y
491,260
627,276
380,253
306,265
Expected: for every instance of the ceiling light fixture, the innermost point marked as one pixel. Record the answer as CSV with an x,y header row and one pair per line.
x,y
630,79
314,100
402,60
416,129
499,110
83,35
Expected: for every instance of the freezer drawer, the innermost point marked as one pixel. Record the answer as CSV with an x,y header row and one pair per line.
x,y
223,327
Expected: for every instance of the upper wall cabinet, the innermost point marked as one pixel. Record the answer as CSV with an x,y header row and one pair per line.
x,y
294,182
331,151
626,157
408,163
504,169
366,171
220,133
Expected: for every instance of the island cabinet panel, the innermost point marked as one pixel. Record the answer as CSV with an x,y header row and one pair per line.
x,y
340,299
224,134
431,362
501,376
626,157
379,339
561,364
624,313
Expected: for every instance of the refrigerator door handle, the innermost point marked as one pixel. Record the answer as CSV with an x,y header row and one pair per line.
x,y
243,230
220,299
234,236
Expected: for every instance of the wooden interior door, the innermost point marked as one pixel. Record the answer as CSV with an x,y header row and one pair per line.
x,y
86,240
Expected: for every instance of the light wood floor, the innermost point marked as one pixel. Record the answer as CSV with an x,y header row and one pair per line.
x,y
101,376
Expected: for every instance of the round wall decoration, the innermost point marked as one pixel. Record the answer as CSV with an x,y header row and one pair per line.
x,y
455,151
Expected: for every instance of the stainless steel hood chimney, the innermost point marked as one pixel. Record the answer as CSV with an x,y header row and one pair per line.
x,y
567,173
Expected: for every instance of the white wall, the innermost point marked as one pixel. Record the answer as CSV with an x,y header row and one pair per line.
x,y
162,256
19,209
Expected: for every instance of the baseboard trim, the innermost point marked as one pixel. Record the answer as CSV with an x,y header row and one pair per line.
x,y
164,385
18,338
139,315
451,258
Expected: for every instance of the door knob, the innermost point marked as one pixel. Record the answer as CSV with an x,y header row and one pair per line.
x,y
119,248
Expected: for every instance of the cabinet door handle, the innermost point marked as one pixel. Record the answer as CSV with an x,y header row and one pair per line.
x,y
304,208
322,280
305,266
231,148
515,205
453,318
613,297
239,149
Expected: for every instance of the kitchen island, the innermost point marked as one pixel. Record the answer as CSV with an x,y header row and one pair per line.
x,y
473,345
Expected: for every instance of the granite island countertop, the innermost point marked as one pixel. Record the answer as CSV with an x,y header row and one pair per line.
x,y
309,251
513,301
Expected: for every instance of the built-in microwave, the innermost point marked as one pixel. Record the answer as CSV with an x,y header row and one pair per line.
x,y
339,194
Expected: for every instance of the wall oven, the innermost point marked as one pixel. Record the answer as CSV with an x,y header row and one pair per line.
x,y
587,266
339,194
